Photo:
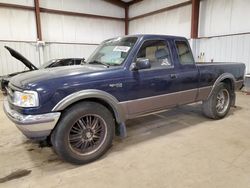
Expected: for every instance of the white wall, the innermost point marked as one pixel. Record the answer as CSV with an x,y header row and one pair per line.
x,y
97,7
18,31
173,22
230,48
147,6
64,36
61,28
8,64
17,25
53,51
217,17
19,2
225,17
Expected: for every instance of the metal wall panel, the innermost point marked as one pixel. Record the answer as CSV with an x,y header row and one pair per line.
x,y
62,28
70,31
98,7
146,6
19,2
231,48
54,51
224,17
8,64
17,24
173,22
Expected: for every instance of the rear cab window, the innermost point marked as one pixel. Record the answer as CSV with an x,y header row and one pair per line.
x,y
184,53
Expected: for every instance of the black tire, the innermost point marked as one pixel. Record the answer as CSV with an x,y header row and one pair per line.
x,y
84,133
214,107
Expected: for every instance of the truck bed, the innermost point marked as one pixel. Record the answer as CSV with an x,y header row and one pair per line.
x,y
209,72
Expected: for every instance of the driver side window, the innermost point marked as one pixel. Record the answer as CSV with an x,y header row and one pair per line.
x,y
157,52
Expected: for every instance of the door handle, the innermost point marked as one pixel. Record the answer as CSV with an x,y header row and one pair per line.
x,y
173,76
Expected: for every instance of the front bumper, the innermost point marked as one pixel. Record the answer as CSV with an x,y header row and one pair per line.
x,y
32,126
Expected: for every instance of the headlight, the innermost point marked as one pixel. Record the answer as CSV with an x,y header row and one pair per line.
x,y
25,99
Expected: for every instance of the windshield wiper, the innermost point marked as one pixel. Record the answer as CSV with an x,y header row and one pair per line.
x,y
99,62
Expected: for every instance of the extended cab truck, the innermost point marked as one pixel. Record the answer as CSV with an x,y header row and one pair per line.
x,y
79,107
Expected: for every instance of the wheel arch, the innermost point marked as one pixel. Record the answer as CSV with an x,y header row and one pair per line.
x,y
229,79
94,95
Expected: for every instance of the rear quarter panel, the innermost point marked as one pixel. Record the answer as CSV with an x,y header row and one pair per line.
x,y
210,72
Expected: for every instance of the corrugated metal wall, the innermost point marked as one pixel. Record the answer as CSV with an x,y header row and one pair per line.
x,y
97,7
224,17
230,48
64,36
173,22
68,36
62,28
217,18
17,25
147,6
53,50
8,64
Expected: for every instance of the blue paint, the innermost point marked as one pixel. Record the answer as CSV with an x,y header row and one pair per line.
x,y
54,84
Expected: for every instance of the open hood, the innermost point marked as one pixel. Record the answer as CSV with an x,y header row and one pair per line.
x,y
20,57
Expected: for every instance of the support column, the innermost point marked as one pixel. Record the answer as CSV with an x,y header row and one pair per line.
x,y
195,19
195,27
38,20
40,44
126,19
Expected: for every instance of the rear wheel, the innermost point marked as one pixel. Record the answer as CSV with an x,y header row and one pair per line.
x,y
84,133
218,104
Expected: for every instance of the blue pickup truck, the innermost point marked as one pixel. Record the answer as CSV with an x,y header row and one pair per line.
x,y
80,108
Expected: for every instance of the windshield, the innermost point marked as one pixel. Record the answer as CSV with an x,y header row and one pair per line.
x,y
112,52
45,65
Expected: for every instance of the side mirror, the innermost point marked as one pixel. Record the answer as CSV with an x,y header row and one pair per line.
x,y
141,63
83,61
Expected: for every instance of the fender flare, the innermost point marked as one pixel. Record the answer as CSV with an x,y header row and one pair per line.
x,y
92,93
221,78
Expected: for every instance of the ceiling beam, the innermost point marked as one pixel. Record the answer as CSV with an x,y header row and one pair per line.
x,y
133,2
117,3
122,4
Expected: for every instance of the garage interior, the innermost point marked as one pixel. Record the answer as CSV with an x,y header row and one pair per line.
x,y
175,148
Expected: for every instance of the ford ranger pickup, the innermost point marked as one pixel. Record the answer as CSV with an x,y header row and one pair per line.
x,y
80,108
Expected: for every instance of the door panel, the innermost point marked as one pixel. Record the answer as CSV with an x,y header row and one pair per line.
x,y
188,74
162,86
159,102
151,82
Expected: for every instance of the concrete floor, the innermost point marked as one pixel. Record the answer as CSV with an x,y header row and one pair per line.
x,y
178,148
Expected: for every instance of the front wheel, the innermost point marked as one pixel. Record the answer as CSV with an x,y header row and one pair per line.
x,y
84,133
218,104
